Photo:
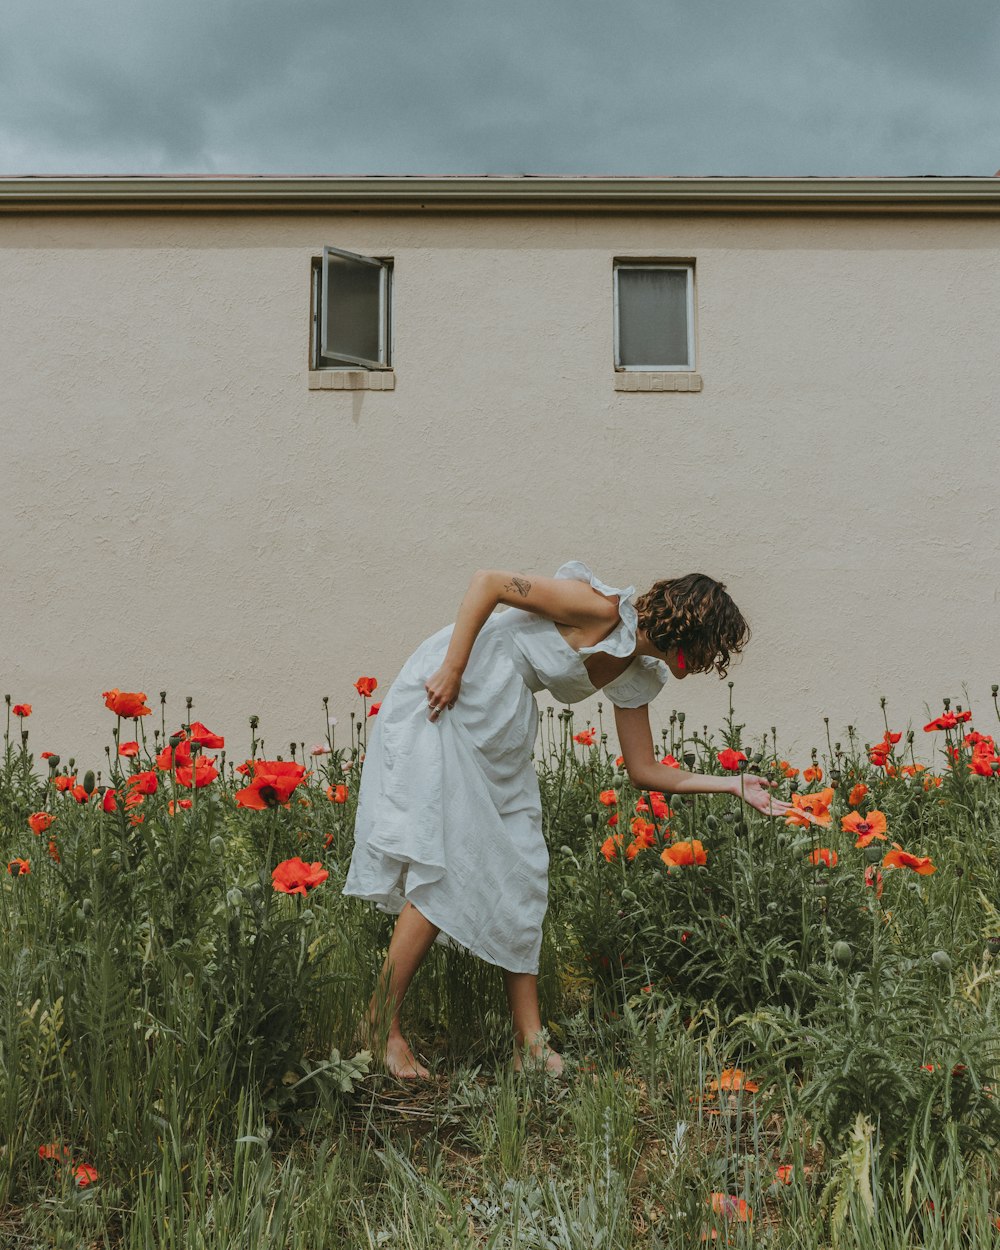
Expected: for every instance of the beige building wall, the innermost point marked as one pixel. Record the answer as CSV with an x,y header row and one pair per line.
x,y
182,512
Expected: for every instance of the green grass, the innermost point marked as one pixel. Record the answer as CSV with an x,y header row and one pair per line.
x,y
173,1021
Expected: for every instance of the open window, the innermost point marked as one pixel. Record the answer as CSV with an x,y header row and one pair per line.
x,y
351,310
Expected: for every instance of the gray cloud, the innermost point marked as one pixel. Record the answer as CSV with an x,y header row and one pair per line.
x,y
462,86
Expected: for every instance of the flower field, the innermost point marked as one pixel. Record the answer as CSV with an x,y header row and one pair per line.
x,y
777,1031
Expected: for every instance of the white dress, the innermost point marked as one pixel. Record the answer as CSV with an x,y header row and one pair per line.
x,y
449,813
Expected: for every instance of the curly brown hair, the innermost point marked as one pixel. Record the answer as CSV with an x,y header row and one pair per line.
x,y
695,613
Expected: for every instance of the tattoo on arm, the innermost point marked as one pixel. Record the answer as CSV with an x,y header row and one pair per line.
x,y
520,584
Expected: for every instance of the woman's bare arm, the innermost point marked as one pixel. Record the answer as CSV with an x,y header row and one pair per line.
x,y
645,772
564,600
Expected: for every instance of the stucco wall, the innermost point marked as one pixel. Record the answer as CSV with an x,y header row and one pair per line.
x,y
181,512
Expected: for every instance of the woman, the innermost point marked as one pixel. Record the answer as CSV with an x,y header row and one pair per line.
x,y
449,821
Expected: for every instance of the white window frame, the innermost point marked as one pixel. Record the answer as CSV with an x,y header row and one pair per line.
x,y
688,267
337,360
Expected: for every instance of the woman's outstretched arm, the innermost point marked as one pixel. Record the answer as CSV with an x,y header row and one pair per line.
x,y
645,772
565,600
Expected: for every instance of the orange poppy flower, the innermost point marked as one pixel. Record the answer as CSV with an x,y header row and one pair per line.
x,y
731,1208
608,797
21,709
173,807
948,720
19,867
823,855
817,803
865,828
64,782
684,854
733,1079
585,737
641,828
815,773
337,794
931,781
873,877
730,759
857,794
294,876
911,770
40,821
787,769
898,858
609,848
129,749
53,1150
619,760
660,809
54,852
365,685
126,704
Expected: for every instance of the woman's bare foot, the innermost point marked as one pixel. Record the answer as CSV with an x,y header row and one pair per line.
x,y
537,1052
398,1059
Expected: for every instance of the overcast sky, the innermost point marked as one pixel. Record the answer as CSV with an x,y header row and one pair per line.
x,y
861,87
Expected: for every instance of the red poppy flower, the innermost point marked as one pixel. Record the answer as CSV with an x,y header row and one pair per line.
x,y
53,1150
337,794
40,821
823,855
613,820
947,720
294,876
85,1174
204,737
127,704
173,807
142,783
898,858
129,749
670,761
19,867
64,782
202,774
373,710
684,854
21,709
365,685
730,759
864,828
109,803
586,737
873,877
273,783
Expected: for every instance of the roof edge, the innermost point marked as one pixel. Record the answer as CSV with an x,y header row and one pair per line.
x,y
494,193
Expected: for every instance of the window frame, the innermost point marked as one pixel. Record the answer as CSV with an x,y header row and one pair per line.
x,y
320,360
636,262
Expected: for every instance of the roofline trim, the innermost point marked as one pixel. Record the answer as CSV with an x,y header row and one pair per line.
x,y
497,193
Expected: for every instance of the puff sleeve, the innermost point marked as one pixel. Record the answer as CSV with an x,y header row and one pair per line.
x,y
639,684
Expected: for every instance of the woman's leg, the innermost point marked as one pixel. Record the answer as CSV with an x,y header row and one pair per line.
x,y
411,940
522,995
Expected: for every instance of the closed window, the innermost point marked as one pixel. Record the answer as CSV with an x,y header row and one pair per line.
x,y
654,315
351,301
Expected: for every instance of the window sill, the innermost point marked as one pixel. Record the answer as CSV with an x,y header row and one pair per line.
x,y
352,379
646,380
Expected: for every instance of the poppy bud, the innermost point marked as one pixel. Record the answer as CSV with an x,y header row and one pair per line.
x,y
942,960
993,945
588,820
89,781
873,853
994,689
821,889
741,828
86,906
175,740
629,896
689,758
53,761
843,954
711,824
234,896
217,845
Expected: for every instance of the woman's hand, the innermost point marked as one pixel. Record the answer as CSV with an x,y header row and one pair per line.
x,y
442,689
757,794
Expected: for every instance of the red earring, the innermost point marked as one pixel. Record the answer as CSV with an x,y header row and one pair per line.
x,y
680,659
